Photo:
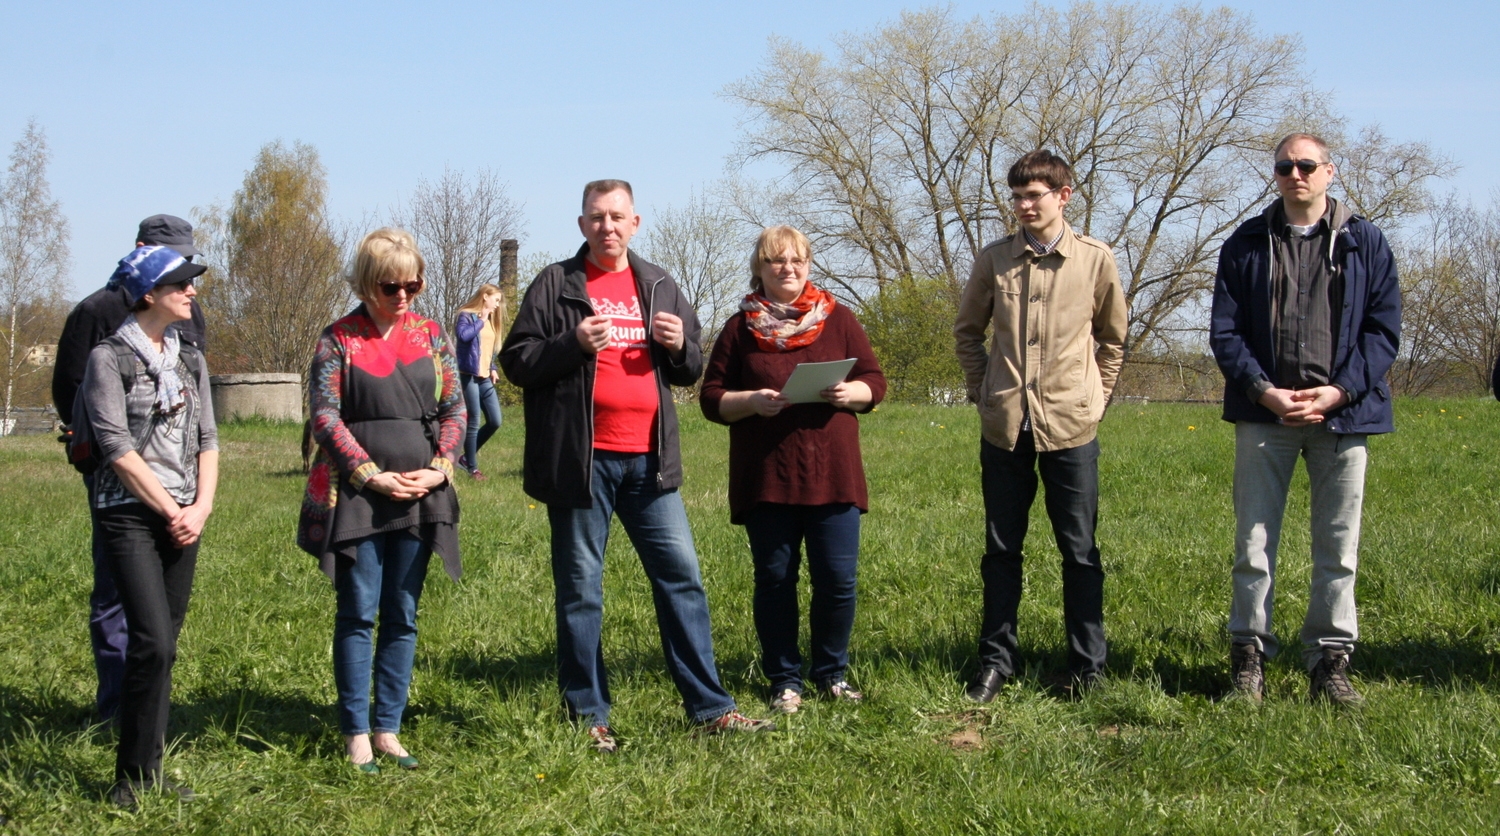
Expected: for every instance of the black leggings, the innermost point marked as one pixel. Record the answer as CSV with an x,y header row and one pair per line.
x,y
155,578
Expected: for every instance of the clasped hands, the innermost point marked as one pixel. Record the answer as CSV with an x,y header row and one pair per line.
x,y
1300,407
593,332
413,484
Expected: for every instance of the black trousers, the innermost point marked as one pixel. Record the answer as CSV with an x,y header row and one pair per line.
x,y
154,578
1071,479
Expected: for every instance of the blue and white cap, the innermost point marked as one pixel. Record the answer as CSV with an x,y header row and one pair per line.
x,y
150,265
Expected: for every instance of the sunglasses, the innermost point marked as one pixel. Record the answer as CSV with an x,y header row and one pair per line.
x,y
412,288
1307,167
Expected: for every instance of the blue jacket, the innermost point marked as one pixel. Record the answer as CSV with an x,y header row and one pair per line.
x,y
1241,327
467,329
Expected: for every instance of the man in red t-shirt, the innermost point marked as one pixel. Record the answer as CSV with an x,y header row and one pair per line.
x,y
598,339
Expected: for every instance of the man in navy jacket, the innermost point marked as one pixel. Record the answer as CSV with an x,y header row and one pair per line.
x,y
1306,323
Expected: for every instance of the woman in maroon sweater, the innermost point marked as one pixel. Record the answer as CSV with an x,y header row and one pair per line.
x,y
795,472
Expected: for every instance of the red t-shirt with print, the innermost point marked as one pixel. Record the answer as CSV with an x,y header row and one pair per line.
x,y
625,399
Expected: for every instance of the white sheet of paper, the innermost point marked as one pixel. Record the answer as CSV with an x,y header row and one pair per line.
x,y
808,379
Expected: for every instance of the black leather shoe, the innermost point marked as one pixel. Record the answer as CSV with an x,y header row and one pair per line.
x,y
986,685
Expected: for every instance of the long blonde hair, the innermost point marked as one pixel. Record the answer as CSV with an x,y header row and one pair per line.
x,y
475,305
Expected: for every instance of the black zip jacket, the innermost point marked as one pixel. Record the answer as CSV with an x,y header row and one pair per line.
x,y
541,355
88,324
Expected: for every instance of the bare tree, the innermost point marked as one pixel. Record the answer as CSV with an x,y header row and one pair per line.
x,y
459,222
33,256
896,148
706,250
276,265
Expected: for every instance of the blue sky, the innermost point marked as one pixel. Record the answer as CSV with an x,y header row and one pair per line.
x,y
161,107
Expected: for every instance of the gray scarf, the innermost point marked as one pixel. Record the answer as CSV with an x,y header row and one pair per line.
x,y
162,366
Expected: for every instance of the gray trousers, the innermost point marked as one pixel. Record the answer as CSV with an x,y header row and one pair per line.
x,y
1264,457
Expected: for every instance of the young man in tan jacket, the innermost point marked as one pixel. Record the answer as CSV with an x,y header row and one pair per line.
x,y
1053,302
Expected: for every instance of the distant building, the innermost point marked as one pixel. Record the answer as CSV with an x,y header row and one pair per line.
x,y
41,355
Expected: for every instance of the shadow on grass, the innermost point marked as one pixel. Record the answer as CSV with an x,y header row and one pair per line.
x,y
521,672
39,724
1459,662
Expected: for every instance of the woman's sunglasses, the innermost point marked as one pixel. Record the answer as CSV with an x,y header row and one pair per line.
x,y
412,288
1307,167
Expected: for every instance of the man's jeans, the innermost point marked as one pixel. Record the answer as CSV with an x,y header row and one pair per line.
x,y
777,533
656,522
385,581
1071,479
1264,457
481,400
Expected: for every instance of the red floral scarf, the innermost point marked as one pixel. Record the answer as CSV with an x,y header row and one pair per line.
x,y
779,327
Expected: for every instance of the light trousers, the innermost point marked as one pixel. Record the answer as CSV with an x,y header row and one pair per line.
x,y
1264,457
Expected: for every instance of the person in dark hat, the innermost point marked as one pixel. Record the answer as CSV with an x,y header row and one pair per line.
x,y
89,323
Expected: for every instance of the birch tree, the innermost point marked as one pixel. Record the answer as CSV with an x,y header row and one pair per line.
x,y
33,257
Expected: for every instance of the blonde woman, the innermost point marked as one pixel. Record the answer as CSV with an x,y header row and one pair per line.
x,y
388,417
478,328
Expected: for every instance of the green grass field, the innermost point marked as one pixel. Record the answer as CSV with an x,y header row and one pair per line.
x,y
1155,750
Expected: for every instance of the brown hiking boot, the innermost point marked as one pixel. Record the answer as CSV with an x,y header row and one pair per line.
x,y
1330,680
1247,672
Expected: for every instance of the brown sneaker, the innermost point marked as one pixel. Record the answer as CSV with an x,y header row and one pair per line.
x,y
1330,680
734,722
1247,672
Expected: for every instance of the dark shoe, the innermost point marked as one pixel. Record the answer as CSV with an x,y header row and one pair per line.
x,y
602,739
126,794
786,701
182,791
1330,680
986,685
734,722
1247,676
840,691
478,476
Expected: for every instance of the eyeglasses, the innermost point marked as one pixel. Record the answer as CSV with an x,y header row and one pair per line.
x,y
176,286
1030,199
1307,167
779,263
412,288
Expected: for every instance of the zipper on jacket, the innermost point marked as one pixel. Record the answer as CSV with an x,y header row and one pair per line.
x,y
661,421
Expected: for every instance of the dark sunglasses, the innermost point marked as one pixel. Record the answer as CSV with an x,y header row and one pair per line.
x,y
174,286
1307,167
412,288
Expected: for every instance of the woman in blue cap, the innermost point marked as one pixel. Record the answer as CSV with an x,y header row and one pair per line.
x,y
145,396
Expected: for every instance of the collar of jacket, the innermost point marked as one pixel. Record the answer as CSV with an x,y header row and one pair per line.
x,y
575,274
1066,247
1339,216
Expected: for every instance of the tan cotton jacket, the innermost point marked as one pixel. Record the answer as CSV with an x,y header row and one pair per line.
x,y
1058,324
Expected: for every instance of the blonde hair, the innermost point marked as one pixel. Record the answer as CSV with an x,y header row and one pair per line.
x,y
385,255
772,242
475,305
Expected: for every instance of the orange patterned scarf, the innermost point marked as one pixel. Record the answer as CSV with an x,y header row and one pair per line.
x,y
779,327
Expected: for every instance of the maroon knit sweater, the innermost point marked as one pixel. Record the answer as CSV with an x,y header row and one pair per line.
x,y
809,453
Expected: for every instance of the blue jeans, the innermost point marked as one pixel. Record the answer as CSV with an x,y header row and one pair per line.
x,y
656,522
385,578
479,397
1071,479
1264,457
776,535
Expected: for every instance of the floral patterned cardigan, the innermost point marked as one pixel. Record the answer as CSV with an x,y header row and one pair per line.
x,y
381,404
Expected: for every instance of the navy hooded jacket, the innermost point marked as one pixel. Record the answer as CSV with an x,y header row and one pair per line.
x,y
1241,330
